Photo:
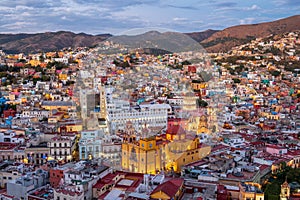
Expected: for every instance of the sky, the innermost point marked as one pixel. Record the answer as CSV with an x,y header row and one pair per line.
x,y
119,16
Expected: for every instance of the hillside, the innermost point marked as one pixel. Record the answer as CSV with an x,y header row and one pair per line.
x,y
200,36
52,41
224,40
49,41
211,40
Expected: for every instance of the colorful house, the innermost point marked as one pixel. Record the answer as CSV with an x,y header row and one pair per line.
x,y
171,189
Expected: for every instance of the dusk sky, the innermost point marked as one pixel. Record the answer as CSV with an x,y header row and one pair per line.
x,y
117,16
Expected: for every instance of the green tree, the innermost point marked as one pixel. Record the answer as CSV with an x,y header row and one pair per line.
x,y
236,80
201,103
275,73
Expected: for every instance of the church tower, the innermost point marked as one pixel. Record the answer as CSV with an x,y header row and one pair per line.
x,y
285,191
103,111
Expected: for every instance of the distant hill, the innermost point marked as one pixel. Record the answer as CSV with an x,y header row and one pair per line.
x,y
49,41
200,36
166,41
53,41
224,40
211,40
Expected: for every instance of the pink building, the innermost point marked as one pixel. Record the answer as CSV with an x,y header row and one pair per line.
x,y
276,150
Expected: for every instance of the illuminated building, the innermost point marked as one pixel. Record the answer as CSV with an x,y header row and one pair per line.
x,y
202,125
285,191
62,148
250,190
155,153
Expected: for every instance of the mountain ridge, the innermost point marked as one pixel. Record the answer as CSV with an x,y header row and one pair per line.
x,y
211,40
227,38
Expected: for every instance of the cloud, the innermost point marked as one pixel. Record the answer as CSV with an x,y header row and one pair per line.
x,y
287,2
182,7
248,20
225,4
114,16
179,19
252,8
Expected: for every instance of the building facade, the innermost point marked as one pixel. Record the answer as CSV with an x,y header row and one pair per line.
x,y
154,115
156,153
62,148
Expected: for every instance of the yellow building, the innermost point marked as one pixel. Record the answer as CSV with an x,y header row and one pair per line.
x,y
285,191
140,156
34,62
63,76
203,125
197,85
198,124
152,154
58,105
250,190
71,127
171,189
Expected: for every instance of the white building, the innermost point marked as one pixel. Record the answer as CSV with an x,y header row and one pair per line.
x,y
11,136
62,148
40,114
96,144
152,115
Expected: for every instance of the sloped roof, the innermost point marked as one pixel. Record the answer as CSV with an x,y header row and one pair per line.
x,y
170,187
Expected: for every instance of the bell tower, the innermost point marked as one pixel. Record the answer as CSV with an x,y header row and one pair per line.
x,y
285,191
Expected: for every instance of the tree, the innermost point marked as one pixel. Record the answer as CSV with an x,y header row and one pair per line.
x,y
275,73
186,62
201,103
236,80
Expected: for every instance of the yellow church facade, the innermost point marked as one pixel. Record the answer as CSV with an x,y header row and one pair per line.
x,y
153,154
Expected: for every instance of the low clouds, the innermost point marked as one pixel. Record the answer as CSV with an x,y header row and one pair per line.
x,y
225,4
252,8
247,20
287,3
114,16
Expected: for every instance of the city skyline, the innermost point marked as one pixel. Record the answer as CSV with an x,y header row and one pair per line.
x,y
94,17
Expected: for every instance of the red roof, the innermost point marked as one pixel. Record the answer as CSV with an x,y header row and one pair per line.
x,y
175,129
7,146
170,187
219,147
108,179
